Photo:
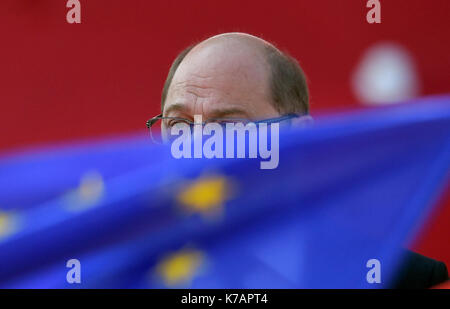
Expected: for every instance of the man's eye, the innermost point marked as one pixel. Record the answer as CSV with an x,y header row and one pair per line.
x,y
233,121
176,122
172,123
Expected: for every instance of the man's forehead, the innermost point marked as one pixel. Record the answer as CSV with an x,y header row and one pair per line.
x,y
215,96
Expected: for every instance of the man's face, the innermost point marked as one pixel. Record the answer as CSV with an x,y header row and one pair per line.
x,y
221,78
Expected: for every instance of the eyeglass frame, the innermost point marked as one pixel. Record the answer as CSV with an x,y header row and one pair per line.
x,y
149,123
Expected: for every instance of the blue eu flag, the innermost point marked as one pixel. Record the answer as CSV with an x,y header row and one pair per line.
x,y
346,195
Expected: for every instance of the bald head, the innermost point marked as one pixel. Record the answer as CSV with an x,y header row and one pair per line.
x,y
234,75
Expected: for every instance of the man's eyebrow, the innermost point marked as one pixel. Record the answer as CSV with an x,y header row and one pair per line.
x,y
217,113
226,112
176,107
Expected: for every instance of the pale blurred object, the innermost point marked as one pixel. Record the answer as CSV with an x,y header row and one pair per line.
x,y
386,74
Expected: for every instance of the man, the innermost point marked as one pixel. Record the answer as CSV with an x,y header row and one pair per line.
x,y
237,75
234,75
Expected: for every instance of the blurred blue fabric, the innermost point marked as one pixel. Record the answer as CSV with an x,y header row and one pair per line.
x,y
354,187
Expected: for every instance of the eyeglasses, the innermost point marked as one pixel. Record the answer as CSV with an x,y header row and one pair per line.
x,y
171,121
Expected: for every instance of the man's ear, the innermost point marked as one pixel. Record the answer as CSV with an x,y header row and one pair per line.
x,y
302,121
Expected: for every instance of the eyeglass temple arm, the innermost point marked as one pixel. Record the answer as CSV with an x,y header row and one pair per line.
x,y
152,121
279,119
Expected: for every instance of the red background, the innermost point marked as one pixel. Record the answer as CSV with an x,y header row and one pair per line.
x,y
63,81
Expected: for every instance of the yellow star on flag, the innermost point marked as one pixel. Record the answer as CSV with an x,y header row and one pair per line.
x,y
89,192
7,224
206,195
180,268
